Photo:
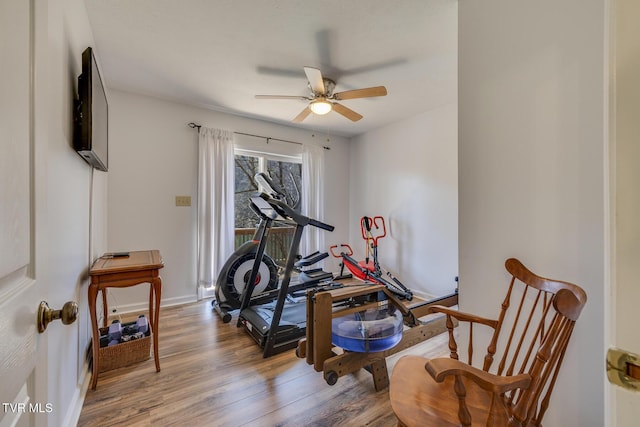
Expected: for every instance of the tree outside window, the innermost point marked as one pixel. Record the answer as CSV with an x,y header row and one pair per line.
x,y
287,175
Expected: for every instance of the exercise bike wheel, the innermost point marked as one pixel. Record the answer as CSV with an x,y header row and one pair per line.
x,y
239,273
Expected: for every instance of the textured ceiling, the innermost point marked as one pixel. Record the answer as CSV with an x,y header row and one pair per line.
x,y
220,53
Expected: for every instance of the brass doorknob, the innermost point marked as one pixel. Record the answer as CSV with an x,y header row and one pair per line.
x,y
68,314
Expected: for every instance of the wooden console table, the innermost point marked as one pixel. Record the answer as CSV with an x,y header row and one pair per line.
x,y
121,272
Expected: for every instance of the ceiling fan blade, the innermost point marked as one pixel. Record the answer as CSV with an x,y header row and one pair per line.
x,y
281,72
347,112
282,97
315,79
303,115
361,93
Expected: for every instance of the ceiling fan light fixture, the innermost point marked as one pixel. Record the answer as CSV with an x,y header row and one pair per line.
x,y
320,107
322,96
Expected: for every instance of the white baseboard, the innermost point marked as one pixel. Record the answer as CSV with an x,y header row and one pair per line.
x,y
77,401
205,293
144,306
423,295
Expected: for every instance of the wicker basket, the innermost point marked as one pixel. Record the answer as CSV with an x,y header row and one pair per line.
x,y
123,354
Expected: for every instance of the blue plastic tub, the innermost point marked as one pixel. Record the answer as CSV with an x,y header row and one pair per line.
x,y
376,329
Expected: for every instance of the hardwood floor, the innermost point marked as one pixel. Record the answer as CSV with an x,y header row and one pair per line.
x,y
213,374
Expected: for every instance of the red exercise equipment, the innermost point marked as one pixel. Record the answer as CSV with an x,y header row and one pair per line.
x,y
372,229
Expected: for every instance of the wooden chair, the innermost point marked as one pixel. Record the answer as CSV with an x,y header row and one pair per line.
x,y
516,392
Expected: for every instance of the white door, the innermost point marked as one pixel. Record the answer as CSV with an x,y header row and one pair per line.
x,y
20,294
625,123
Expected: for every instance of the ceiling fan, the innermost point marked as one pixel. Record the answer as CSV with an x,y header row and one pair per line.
x,y
322,99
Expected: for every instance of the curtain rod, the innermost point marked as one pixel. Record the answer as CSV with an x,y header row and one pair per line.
x,y
193,125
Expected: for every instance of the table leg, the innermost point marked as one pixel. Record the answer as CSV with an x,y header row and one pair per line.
x,y
151,302
157,291
105,314
93,295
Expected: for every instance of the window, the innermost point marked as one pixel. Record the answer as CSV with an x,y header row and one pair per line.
x,y
246,168
285,172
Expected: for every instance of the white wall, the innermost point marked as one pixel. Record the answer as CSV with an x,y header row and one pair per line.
x,y
532,138
71,194
407,172
153,158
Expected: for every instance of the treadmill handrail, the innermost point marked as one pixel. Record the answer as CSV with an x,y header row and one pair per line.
x,y
288,213
261,207
321,224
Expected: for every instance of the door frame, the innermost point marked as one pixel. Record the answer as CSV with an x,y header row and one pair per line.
x,y
621,406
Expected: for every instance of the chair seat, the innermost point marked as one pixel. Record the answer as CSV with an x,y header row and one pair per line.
x,y
418,400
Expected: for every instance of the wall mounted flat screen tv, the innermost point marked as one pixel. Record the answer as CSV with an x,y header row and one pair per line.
x,y
91,137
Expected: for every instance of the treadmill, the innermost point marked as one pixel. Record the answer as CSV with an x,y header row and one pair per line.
x,y
238,266
278,324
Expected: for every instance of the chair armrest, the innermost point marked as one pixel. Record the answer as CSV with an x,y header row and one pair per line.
x,y
462,316
440,368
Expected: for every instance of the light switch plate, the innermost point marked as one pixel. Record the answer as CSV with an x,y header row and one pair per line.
x,y
183,200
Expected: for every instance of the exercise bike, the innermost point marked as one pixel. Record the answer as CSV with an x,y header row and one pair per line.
x,y
370,269
236,271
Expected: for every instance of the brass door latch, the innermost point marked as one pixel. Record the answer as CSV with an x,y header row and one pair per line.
x,y
623,369
68,314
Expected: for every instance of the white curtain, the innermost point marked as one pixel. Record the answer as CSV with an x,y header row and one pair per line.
x,y
215,204
312,197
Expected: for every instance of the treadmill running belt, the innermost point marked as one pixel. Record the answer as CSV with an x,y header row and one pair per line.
x,y
293,322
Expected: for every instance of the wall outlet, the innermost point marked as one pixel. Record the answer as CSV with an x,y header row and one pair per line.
x,y
183,200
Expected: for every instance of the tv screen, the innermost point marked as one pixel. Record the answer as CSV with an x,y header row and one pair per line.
x,y
91,139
